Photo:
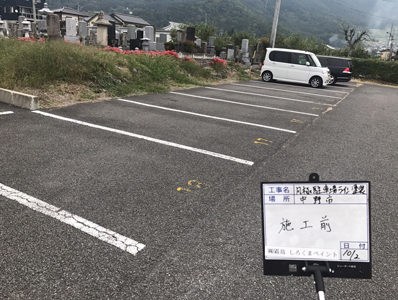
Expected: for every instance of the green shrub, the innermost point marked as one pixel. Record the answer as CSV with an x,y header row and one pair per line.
x,y
169,46
189,47
375,69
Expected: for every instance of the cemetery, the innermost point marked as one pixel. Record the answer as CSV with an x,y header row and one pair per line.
x,y
89,51
125,32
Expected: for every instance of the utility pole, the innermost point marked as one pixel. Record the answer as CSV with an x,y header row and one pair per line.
x,y
275,23
390,43
34,10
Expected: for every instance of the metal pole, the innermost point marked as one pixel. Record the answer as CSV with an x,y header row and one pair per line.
x,y
34,10
390,41
275,23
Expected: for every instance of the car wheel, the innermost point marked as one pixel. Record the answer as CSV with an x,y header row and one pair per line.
x,y
333,79
316,82
267,76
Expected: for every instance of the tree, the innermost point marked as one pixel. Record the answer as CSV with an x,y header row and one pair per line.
x,y
354,37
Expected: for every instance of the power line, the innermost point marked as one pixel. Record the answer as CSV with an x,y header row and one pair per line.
x,y
363,11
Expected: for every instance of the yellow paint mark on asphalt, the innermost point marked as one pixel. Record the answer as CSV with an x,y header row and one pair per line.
x,y
262,141
329,109
196,185
180,189
297,121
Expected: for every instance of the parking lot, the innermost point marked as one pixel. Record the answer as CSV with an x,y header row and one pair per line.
x,y
158,196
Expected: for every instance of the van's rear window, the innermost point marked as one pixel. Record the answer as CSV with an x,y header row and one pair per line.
x,y
279,56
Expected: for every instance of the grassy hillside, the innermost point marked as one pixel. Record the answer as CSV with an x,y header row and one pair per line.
x,y
67,70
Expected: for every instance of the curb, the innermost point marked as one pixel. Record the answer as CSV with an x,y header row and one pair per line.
x,y
19,99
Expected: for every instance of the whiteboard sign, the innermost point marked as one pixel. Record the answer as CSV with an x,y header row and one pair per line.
x,y
322,221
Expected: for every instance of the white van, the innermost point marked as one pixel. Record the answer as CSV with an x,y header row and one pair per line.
x,y
294,66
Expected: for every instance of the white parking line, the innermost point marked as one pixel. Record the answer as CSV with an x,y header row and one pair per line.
x,y
207,116
6,112
101,233
274,97
246,104
296,92
226,157
303,87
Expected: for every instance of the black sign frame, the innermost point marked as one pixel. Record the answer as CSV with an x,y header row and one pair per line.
x,y
341,269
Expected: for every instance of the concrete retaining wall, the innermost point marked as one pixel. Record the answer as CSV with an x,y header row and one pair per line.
x,y
19,99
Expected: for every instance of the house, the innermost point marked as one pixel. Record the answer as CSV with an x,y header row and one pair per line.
x,y
67,12
92,19
385,54
174,25
130,20
120,20
10,10
167,30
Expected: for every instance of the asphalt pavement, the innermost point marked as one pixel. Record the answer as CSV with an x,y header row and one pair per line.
x,y
177,176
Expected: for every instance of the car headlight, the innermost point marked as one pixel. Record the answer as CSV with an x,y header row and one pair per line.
x,y
326,71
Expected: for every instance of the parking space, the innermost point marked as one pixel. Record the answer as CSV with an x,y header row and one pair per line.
x,y
146,169
124,146
5,109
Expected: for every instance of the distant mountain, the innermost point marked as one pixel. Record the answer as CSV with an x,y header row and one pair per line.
x,y
321,18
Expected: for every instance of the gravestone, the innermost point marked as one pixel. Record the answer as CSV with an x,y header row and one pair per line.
x,y
204,47
137,42
70,27
20,26
14,29
112,41
211,49
245,53
223,53
34,28
83,30
92,38
198,42
42,24
53,27
230,54
150,33
102,29
163,38
1,27
236,53
191,34
123,41
245,46
140,36
160,46
70,34
131,35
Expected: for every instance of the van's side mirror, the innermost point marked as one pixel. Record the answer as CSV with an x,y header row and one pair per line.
x,y
307,64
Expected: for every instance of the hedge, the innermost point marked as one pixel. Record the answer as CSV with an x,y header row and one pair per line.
x,y
375,69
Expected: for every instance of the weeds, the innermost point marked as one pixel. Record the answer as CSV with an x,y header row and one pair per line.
x,y
27,63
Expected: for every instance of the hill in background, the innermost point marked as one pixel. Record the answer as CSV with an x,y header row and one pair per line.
x,y
320,18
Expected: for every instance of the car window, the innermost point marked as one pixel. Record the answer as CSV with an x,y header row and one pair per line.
x,y
314,60
324,61
279,56
298,58
336,62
